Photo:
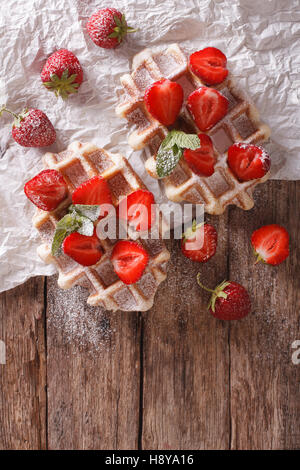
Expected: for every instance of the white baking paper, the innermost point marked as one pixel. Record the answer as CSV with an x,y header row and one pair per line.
x,y
259,38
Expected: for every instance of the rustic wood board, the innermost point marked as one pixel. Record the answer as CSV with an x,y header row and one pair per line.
x,y
172,378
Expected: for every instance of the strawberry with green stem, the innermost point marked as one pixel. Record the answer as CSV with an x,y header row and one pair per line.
x,y
229,300
108,27
62,73
31,128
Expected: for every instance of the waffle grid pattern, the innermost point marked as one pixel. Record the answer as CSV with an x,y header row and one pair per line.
x,y
241,124
77,164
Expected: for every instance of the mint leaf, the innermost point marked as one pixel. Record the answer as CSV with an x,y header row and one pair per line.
x,y
86,226
171,150
65,226
92,212
181,139
166,160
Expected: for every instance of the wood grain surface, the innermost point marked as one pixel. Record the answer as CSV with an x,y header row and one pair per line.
x,y
77,377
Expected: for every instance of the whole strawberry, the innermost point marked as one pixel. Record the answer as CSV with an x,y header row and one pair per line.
x,y
31,128
229,300
107,28
62,73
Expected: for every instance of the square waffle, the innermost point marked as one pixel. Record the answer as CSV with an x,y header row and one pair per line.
x,y
241,124
77,164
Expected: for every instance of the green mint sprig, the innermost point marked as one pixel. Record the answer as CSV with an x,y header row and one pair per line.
x,y
171,150
79,219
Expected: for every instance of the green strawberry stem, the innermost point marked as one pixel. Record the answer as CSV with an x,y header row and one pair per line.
x,y
4,109
121,29
217,292
18,117
259,258
63,86
191,230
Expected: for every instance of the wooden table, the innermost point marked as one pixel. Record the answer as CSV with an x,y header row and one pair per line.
x,y
172,378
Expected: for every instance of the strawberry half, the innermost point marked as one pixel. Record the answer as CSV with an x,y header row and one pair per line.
x,y
199,246
229,300
163,100
209,64
129,260
84,250
94,191
202,160
46,190
207,107
137,209
247,161
271,244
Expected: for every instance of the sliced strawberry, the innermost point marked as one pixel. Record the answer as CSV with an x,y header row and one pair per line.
x,y
138,208
163,100
271,244
202,160
207,106
85,250
197,245
129,260
94,191
248,162
209,64
46,190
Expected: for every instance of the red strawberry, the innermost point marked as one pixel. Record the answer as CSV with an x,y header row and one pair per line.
x,y
83,249
229,300
129,260
62,73
202,160
271,244
31,128
137,209
248,162
94,191
209,65
197,245
207,106
46,190
107,28
163,100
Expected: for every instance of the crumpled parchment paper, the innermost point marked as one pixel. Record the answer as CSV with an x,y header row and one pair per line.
x,y
259,38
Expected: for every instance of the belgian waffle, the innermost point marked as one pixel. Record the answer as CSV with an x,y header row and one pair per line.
x,y
241,123
77,164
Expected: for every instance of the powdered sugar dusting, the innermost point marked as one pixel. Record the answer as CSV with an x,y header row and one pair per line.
x,y
88,328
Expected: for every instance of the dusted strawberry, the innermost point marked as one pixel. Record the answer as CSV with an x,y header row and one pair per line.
x,y
207,107
138,208
247,161
271,244
202,160
46,190
129,260
163,99
108,27
209,64
199,242
31,128
229,300
83,249
94,191
62,73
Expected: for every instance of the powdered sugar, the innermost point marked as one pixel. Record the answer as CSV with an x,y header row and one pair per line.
x,y
89,328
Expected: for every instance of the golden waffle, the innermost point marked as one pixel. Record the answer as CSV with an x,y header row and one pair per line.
x,y
241,124
77,164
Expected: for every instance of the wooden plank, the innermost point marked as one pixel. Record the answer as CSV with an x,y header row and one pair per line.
x,y
23,377
93,374
185,358
264,381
